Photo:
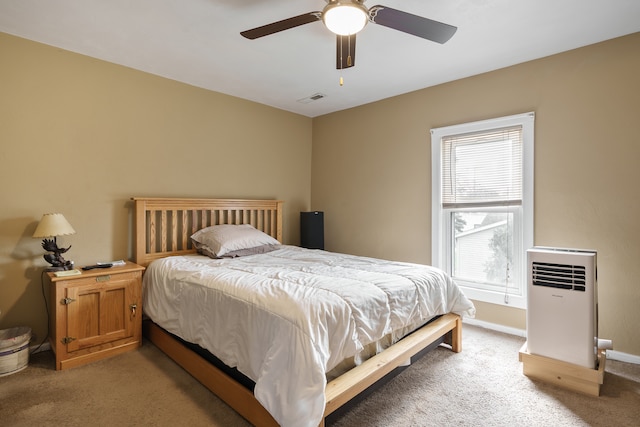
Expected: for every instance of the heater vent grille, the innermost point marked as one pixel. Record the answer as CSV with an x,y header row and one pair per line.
x,y
561,276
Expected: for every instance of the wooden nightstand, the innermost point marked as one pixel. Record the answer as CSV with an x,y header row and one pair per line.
x,y
95,314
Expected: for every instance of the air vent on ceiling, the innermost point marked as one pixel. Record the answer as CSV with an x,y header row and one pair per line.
x,y
314,97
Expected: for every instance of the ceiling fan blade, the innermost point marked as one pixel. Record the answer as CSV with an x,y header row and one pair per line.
x,y
345,51
285,24
412,24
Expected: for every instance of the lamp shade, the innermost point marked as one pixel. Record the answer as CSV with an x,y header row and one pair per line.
x,y
345,17
53,224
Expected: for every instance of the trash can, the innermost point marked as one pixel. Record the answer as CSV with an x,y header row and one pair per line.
x,y
14,349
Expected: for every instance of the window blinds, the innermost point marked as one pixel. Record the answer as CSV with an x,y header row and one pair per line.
x,y
482,168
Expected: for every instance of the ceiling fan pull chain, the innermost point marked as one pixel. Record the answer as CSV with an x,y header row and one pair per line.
x,y
341,56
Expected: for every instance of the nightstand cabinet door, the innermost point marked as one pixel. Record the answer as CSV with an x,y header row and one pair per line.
x,y
102,310
96,314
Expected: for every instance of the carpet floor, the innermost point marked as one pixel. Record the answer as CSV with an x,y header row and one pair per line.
x,y
482,386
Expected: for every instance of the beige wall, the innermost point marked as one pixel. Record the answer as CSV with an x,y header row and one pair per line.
x,y
371,168
81,136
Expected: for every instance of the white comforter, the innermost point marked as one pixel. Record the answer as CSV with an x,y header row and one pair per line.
x,y
286,318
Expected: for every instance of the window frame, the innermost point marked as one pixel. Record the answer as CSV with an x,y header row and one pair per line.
x,y
441,245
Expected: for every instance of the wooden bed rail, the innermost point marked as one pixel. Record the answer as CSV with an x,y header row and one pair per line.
x,y
353,382
162,226
338,391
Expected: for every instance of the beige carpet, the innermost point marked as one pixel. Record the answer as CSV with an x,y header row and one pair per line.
x,y
482,386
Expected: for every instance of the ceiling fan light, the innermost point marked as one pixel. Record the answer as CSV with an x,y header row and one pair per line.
x,y
345,17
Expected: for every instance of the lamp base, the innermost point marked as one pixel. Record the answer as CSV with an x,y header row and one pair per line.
x,y
68,265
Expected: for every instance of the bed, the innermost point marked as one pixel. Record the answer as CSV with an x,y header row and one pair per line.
x,y
296,321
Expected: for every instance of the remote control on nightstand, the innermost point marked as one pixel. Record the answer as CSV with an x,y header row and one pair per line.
x,y
91,267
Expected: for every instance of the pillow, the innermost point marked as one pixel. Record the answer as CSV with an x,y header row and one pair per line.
x,y
220,240
240,252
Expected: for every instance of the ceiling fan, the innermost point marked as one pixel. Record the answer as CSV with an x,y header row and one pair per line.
x,y
345,18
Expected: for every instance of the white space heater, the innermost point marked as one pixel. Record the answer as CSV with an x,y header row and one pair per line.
x,y
562,307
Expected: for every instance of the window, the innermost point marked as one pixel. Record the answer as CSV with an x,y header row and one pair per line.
x,y
482,207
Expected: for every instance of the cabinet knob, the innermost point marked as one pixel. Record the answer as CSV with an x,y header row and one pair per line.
x,y
133,308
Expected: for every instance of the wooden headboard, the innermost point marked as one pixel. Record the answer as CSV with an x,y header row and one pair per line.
x,y
163,226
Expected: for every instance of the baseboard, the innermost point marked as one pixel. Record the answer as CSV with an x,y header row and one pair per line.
x,y
611,354
495,327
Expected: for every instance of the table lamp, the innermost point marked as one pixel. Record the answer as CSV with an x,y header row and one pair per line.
x,y
53,225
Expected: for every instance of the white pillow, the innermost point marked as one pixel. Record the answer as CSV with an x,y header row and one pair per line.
x,y
225,238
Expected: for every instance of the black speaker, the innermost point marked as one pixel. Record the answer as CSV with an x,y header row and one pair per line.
x,y
312,230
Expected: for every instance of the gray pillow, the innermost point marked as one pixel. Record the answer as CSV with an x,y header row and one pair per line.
x,y
221,240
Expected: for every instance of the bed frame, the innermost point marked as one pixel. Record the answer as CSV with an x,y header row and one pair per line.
x,y
162,228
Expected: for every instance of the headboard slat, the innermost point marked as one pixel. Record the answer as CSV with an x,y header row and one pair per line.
x,y
163,230
152,231
174,230
194,222
185,229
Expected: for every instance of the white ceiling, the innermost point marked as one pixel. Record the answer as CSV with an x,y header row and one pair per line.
x,y
198,42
